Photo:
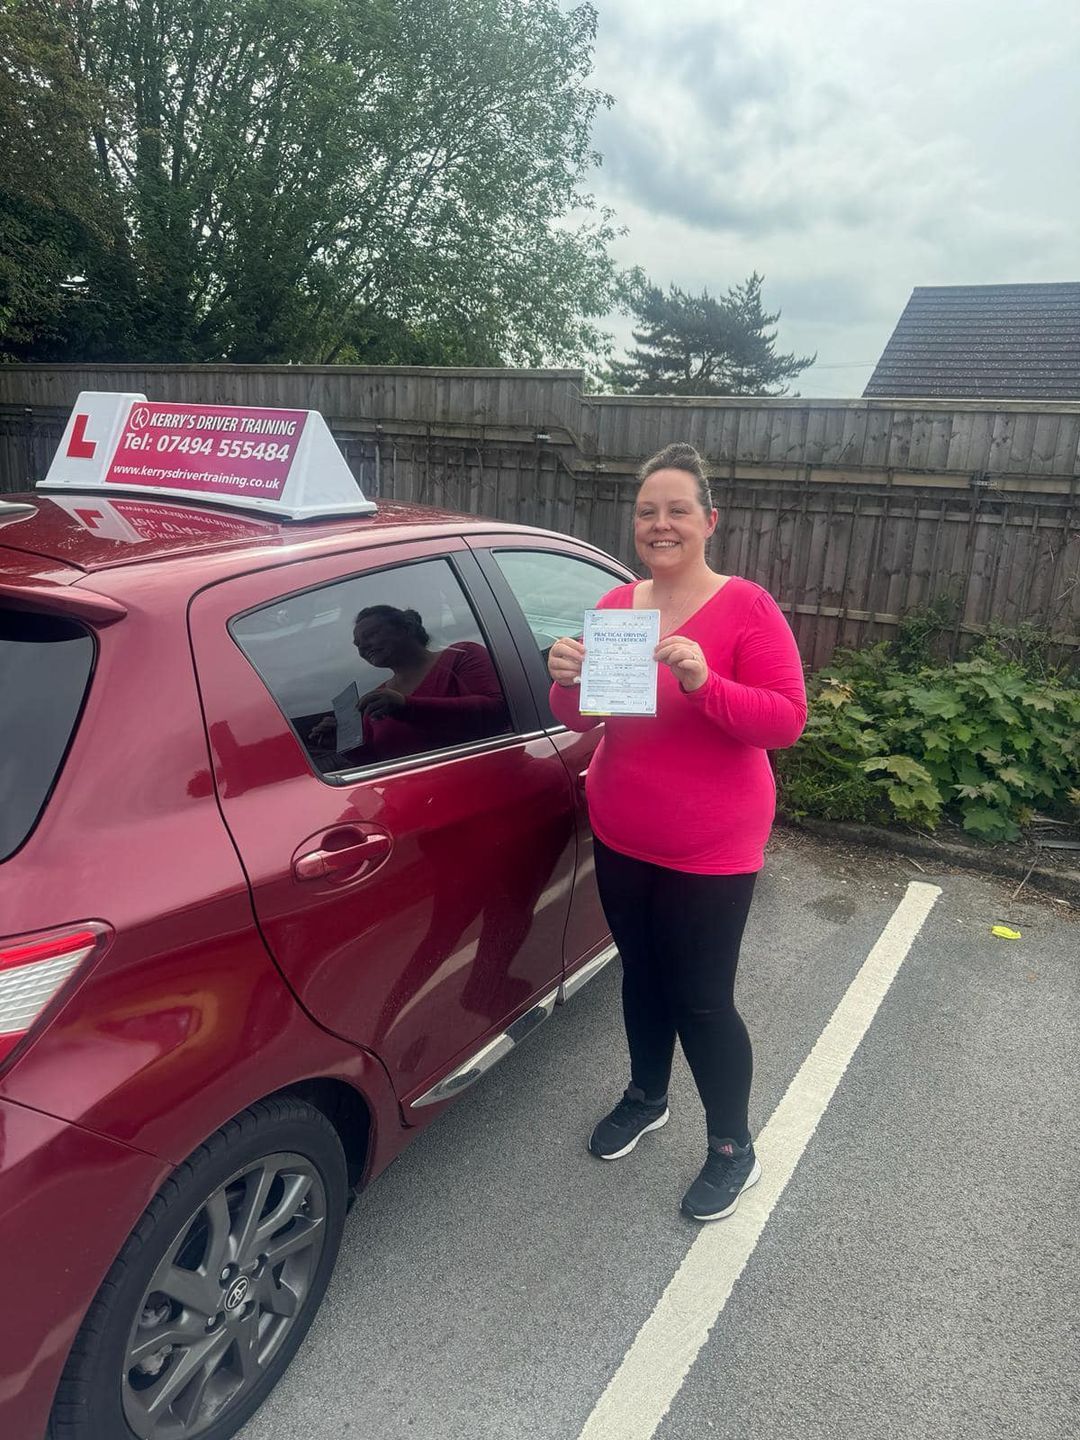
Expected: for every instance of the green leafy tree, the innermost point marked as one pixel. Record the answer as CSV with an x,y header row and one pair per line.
x,y
330,180
700,345
61,229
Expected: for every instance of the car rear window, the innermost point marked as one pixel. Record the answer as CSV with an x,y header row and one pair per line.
x,y
45,664
328,655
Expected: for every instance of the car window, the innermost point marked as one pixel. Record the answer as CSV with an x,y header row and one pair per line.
x,y
553,590
45,664
378,667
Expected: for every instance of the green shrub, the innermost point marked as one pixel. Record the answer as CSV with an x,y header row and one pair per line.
x,y
987,741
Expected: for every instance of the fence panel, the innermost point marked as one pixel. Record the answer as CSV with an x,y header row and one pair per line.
x,y
852,512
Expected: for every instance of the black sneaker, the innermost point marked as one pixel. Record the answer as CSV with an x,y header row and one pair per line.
x,y
728,1171
633,1116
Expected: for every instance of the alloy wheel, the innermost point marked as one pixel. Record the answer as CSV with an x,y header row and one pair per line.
x,y
224,1297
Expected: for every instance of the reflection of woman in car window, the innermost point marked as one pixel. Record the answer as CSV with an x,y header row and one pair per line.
x,y
433,698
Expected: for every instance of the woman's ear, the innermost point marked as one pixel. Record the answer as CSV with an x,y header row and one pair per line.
x,y
714,516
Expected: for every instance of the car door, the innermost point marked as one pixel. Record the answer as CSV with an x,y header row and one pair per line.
x,y
414,893
544,586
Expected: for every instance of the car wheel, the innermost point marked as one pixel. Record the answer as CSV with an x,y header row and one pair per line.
x,y
215,1288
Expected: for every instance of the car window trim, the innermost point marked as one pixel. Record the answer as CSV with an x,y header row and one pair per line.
x,y
427,758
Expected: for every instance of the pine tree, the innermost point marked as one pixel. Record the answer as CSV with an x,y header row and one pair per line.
x,y
698,345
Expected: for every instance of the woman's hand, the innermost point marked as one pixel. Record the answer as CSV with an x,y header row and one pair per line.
x,y
685,659
564,661
322,732
377,704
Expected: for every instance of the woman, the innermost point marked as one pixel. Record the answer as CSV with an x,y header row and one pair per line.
x,y
681,805
433,698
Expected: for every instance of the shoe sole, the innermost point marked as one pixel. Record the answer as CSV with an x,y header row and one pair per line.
x,y
751,1179
618,1154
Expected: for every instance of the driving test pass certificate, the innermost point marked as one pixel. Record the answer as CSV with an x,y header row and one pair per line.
x,y
618,675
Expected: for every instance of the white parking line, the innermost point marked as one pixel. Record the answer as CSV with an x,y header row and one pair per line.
x,y
652,1371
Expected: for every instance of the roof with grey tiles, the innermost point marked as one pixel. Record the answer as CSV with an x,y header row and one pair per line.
x,y
984,342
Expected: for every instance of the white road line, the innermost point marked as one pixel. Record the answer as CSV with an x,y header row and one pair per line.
x,y
652,1371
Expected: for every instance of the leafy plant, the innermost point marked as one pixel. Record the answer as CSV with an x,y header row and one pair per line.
x,y
1029,645
987,741
919,629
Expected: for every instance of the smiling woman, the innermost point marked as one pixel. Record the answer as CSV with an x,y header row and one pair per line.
x,y
681,804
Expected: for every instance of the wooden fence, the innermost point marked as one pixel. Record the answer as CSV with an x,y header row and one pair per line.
x,y
852,512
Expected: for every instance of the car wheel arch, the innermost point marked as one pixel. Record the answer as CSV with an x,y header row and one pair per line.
x,y
348,1111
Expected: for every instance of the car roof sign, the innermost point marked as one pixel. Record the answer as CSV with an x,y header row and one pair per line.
x,y
282,463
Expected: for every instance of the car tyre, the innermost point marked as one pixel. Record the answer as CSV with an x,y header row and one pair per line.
x,y
215,1288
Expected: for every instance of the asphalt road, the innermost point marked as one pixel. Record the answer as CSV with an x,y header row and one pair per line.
x,y
917,1278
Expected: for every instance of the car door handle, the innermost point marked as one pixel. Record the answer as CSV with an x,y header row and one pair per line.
x,y
583,775
343,861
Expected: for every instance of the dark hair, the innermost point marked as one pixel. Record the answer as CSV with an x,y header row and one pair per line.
x,y
680,457
407,620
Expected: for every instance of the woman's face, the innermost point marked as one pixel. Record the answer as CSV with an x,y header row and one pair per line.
x,y
380,641
671,528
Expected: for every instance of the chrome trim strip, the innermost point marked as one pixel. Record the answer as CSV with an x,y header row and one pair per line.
x,y
427,758
495,1050
580,978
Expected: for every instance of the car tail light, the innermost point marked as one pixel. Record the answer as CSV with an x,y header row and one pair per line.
x,y
33,969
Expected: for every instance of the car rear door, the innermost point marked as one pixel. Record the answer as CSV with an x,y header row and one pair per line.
x,y
416,904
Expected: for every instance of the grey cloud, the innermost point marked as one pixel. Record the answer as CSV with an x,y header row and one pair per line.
x,y
713,63
736,111
708,61
674,182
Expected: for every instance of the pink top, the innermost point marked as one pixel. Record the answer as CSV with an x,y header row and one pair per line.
x,y
691,788
459,699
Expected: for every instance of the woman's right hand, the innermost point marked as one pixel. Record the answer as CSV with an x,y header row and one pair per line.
x,y
564,661
381,702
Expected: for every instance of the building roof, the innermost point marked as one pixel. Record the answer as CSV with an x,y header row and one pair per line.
x,y
972,342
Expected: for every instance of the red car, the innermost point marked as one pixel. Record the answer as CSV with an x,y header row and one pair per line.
x,y
262,913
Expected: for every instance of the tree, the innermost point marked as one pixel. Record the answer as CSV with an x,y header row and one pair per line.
x,y
58,224
697,345
328,180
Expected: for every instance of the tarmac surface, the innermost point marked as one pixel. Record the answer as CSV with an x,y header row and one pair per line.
x,y
917,1278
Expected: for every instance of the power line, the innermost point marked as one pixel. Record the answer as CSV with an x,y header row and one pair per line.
x,y
844,365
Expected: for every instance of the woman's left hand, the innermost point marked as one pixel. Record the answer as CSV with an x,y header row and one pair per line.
x,y
685,659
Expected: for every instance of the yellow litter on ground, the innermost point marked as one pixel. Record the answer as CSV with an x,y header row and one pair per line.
x,y
1004,933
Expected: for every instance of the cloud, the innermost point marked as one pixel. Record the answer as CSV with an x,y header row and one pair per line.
x,y
671,179
689,95
849,152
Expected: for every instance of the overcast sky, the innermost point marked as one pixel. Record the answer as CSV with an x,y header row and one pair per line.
x,y
847,149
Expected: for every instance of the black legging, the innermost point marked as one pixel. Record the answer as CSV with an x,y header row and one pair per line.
x,y
678,936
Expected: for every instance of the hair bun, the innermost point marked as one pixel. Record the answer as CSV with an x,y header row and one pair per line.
x,y
680,456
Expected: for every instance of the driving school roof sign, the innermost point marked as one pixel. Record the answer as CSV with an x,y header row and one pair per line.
x,y
279,462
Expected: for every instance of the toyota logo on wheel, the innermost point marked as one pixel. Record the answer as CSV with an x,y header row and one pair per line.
x,y
238,1294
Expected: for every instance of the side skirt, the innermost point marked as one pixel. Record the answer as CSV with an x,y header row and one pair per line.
x,y
499,1047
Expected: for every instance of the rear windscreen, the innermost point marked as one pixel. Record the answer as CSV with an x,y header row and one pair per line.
x,y
45,665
